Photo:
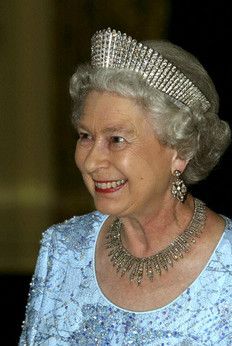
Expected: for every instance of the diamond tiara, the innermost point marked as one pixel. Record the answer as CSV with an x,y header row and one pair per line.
x,y
112,49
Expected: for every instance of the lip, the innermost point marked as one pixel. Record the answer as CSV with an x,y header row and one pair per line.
x,y
108,190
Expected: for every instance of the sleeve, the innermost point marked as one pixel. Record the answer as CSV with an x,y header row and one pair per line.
x,y
37,289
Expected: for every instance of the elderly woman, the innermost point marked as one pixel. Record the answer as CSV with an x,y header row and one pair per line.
x,y
153,265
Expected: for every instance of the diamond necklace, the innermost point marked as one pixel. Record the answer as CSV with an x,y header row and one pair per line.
x,y
162,260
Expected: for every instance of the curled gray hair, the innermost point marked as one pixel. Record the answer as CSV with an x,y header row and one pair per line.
x,y
199,137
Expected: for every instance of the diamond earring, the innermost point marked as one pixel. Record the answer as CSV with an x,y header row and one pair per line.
x,y
179,189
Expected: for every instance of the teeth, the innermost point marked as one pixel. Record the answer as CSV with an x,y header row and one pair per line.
x,y
109,185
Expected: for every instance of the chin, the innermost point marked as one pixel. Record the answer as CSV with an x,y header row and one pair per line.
x,y
108,208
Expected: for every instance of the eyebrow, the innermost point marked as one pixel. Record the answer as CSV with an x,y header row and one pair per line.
x,y
111,129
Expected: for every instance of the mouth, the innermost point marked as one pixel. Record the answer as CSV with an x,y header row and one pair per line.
x,y
109,185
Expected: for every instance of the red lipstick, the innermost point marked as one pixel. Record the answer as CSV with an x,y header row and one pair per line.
x,y
110,189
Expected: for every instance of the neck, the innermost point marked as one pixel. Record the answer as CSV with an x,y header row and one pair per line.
x,y
144,235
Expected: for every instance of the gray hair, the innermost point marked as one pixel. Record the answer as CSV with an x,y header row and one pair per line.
x,y
199,137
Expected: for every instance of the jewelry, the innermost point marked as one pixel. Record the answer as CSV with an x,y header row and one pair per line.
x,y
179,189
157,263
112,49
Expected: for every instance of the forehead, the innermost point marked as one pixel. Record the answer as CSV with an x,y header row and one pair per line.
x,y
110,110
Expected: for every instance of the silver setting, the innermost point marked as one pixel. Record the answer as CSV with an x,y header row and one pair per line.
x,y
136,268
179,189
112,49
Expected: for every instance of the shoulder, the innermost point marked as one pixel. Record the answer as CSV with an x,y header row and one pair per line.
x,y
226,240
223,250
227,234
77,231
67,242
76,224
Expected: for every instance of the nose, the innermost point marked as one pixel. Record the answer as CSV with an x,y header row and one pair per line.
x,y
97,158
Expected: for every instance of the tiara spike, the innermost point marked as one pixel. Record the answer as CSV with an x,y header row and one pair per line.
x,y
152,68
126,41
130,54
140,64
144,67
112,49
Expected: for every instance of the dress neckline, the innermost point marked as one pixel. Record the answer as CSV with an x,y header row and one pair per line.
x,y
174,301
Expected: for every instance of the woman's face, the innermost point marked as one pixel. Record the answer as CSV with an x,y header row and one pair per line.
x,y
125,168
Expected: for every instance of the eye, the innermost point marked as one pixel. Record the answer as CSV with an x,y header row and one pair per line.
x,y
118,140
84,137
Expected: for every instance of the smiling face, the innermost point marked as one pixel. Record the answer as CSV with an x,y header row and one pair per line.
x,y
125,168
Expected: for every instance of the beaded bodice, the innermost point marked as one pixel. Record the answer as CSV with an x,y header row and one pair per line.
x,y
67,307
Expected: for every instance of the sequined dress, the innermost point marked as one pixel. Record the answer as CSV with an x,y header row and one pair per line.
x,y
66,306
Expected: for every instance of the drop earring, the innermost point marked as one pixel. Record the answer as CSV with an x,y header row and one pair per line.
x,y
179,189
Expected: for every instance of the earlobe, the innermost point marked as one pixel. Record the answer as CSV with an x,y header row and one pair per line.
x,y
178,164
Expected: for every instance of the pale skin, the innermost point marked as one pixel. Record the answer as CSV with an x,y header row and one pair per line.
x,y
118,143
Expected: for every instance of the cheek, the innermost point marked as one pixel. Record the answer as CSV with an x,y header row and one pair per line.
x,y
79,158
147,164
133,165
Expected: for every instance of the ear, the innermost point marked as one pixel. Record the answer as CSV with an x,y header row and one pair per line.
x,y
178,163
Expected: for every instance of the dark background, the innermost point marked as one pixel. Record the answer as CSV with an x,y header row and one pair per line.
x,y
204,28
201,27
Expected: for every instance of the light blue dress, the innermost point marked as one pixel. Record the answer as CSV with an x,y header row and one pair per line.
x,y
67,307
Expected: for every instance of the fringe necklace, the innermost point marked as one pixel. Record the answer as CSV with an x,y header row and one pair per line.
x,y
162,260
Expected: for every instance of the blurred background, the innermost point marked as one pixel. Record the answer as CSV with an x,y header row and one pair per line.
x,y
41,43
